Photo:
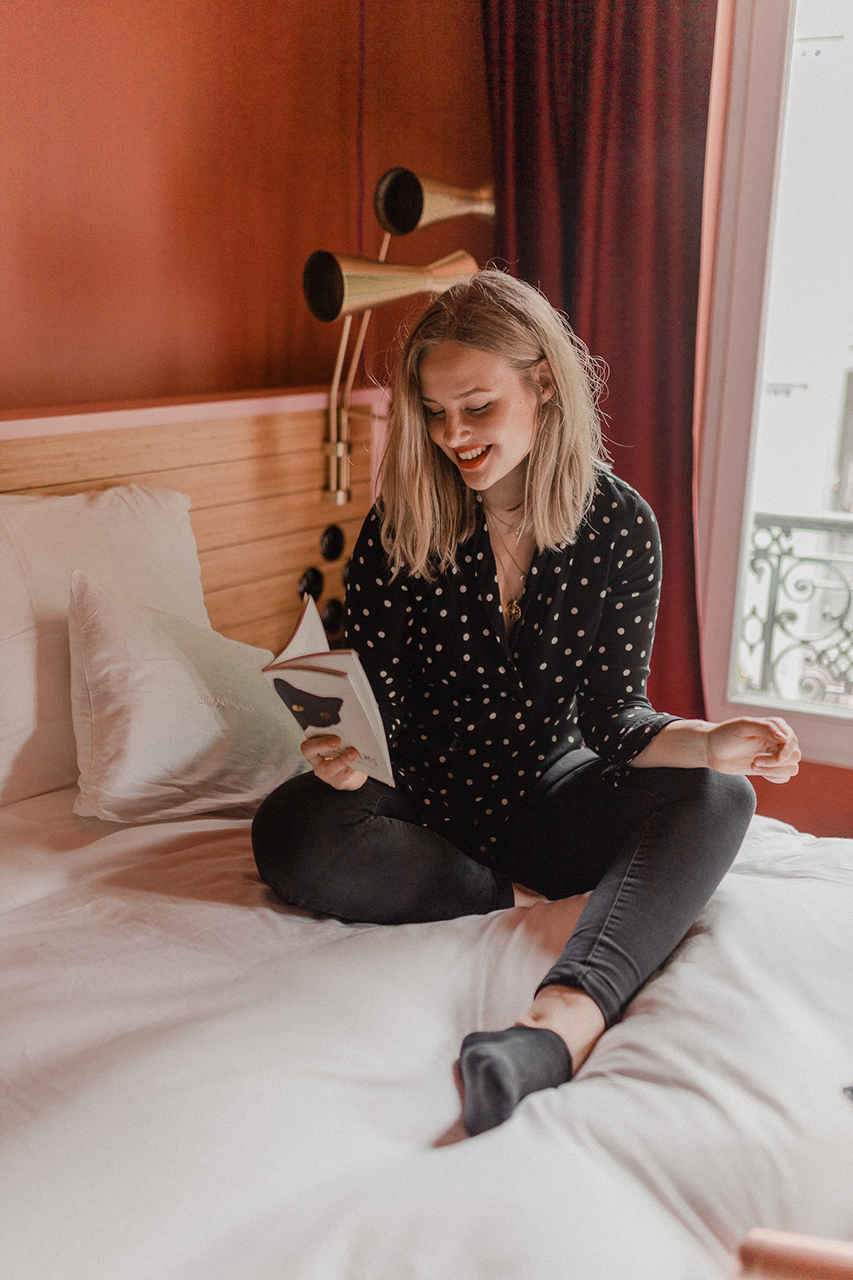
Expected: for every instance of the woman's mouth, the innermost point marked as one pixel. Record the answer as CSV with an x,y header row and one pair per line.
x,y
468,459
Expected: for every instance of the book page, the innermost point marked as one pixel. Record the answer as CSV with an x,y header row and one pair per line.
x,y
309,636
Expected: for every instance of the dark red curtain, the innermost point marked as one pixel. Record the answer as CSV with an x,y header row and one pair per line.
x,y
599,111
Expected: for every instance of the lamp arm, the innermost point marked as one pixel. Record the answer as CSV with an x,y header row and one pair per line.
x,y
339,429
338,482
362,332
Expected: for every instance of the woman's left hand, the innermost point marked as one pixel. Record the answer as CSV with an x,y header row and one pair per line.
x,y
759,748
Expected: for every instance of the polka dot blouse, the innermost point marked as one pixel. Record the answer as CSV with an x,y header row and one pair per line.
x,y
474,717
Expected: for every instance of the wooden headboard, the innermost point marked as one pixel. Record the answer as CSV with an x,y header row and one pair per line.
x,y
255,469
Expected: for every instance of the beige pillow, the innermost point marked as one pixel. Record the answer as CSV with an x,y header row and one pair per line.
x,y
170,718
134,538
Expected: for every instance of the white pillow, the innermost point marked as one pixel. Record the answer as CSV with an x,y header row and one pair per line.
x,y
170,718
134,538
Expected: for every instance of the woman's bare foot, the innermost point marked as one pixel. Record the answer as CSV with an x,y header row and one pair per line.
x,y
525,897
551,922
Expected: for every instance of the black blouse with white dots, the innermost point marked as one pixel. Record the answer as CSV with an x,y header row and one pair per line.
x,y
473,717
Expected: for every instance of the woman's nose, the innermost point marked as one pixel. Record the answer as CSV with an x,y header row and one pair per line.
x,y
455,431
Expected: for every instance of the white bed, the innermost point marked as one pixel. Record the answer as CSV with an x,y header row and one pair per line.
x,y
199,1083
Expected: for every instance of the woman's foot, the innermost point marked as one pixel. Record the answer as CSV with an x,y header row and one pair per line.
x,y
546,1045
571,1014
499,1068
542,1050
567,1010
525,897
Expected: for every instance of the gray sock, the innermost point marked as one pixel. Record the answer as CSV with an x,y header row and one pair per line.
x,y
499,1068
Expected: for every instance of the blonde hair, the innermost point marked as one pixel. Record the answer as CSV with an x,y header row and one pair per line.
x,y
426,508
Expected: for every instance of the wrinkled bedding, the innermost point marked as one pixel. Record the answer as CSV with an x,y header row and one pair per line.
x,y
198,1083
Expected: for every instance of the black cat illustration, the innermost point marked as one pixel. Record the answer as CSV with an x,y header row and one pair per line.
x,y
312,711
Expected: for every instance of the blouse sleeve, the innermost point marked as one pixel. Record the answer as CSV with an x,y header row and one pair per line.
x,y
378,624
615,716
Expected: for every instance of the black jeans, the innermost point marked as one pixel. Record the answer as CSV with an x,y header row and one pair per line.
x,y
651,844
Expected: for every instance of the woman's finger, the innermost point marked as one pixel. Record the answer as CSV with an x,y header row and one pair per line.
x,y
339,766
789,750
322,747
786,735
331,764
779,764
777,775
781,744
324,755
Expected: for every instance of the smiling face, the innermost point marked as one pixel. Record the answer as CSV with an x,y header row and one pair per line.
x,y
482,415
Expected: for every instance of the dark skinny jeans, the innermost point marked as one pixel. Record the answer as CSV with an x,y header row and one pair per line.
x,y
651,844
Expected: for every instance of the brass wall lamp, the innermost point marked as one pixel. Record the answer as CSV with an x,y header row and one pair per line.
x,y
335,285
404,201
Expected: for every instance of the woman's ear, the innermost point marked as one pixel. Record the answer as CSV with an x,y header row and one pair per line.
x,y
545,379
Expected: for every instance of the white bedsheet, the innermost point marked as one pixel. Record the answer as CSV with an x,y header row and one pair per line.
x,y
200,1084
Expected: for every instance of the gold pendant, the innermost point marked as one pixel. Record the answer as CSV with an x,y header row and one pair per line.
x,y
513,610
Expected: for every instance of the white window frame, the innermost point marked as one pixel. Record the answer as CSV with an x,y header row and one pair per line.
x,y
761,43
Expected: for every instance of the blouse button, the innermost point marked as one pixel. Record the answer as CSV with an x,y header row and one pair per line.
x,y
456,744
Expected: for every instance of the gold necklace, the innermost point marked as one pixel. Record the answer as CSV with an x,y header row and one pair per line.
x,y
512,608
507,524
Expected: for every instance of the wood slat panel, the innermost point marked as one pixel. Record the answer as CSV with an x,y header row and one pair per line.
x,y
223,483
74,459
266,633
258,502
256,561
271,517
274,597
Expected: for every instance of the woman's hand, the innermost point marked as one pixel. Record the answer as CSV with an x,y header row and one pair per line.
x,y
755,747
331,764
762,748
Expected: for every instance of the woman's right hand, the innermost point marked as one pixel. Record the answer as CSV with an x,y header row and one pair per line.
x,y
332,765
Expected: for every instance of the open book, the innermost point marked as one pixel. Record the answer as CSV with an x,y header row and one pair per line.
x,y
328,692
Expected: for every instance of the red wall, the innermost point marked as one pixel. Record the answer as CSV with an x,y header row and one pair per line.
x,y
818,800
166,167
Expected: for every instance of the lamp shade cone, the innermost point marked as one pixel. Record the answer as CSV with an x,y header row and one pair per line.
x,y
404,200
338,286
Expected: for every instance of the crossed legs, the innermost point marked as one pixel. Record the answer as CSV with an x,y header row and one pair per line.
x,y
648,846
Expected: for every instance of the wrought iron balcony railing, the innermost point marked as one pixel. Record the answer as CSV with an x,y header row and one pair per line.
x,y
796,633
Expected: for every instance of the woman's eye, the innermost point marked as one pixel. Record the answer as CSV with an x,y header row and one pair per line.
x,y
432,413
478,408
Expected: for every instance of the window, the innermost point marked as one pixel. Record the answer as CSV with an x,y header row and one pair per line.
x,y
776,493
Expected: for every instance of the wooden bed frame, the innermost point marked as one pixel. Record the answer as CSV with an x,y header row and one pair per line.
x,y
254,467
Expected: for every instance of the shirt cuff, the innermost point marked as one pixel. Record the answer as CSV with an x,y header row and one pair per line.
x,y
636,739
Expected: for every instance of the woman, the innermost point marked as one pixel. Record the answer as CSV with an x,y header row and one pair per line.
x,y
502,598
